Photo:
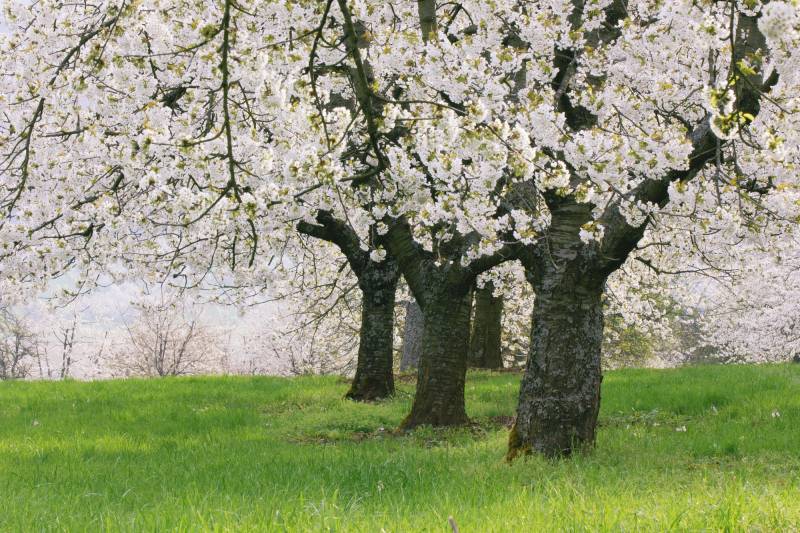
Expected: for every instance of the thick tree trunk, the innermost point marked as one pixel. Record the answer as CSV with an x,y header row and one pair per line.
x,y
485,348
374,379
559,396
443,290
412,337
378,284
439,399
560,393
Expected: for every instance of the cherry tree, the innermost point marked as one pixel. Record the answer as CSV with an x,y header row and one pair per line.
x,y
63,333
748,314
626,105
756,319
186,140
18,346
377,282
679,101
182,161
485,344
166,337
186,149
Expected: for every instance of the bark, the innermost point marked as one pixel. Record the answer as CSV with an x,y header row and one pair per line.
x,y
443,291
485,349
378,284
374,379
560,392
427,19
412,337
439,400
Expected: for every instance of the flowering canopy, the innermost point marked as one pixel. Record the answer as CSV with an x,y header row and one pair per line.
x,y
187,138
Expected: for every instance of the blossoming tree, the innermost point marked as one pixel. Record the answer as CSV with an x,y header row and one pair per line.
x,y
185,139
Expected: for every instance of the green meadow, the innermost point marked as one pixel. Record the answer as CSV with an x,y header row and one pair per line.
x,y
711,448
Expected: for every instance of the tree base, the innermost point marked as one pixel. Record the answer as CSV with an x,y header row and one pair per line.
x,y
560,392
370,390
554,447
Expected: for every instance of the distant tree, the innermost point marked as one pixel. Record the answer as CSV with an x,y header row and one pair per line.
x,y
485,346
18,346
166,339
64,334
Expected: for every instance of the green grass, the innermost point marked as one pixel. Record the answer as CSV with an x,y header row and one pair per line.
x,y
271,454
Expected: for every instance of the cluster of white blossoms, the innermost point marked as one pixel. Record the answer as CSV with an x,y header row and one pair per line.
x,y
747,308
779,21
184,140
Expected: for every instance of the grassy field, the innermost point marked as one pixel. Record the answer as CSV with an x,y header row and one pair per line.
x,y
706,448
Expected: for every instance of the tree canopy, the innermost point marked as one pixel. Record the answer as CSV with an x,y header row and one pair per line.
x,y
189,141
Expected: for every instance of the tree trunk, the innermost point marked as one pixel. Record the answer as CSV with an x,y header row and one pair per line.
x,y
439,400
443,290
374,379
378,284
412,337
485,348
427,19
560,393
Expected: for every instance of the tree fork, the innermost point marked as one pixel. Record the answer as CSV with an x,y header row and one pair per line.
x,y
560,392
378,283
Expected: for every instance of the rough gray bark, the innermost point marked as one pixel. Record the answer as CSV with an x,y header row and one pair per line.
x,y
439,400
443,290
378,284
485,347
560,392
412,337
374,379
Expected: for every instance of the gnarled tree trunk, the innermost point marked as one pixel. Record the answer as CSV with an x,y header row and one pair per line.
x,y
378,284
374,379
485,348
439,400
559,396
412,337
560,393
